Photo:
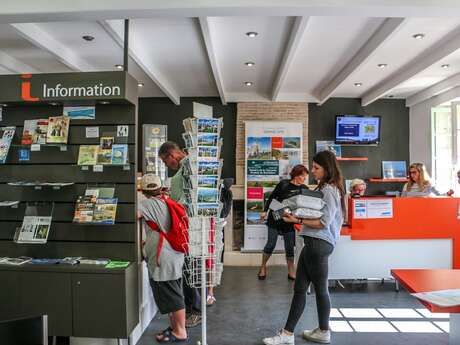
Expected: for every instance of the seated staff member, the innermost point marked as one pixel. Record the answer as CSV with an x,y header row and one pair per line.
x,y
357,188
283,190
419,183
165,273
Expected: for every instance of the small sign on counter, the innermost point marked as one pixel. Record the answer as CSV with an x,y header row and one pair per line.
x,y
373,208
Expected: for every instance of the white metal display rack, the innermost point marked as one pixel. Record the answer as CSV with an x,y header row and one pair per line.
x,y
202,199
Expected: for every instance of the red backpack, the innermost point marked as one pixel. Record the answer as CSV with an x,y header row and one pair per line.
x,y
177,236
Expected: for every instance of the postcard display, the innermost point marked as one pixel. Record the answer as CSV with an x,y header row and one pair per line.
x,y
202,171
154,136
66,214
272,150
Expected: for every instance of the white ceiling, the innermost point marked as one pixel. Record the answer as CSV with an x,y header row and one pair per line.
x,y
304,51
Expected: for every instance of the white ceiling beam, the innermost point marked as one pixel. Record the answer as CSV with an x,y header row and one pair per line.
x,y
295,38
389,27
33,11
40,38
439,51
434,90
142,58
14,65
207,36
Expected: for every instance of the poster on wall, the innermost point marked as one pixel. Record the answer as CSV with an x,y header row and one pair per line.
x,y
271,150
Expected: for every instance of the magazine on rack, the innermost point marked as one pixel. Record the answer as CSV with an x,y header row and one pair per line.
x,y
34,229
105,211
34,132
16,261
119,154
6,137
88,155
84,209
58,130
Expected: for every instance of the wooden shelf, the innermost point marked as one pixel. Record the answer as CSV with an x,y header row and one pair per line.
x,y
352,158
388,180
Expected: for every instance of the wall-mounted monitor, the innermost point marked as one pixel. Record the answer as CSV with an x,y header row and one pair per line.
x,y
357,130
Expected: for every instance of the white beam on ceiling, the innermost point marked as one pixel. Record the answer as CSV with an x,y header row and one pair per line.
x,y
434,90
207,36
141,57
439,51
14,65
40,38
380,36
295,38
28,11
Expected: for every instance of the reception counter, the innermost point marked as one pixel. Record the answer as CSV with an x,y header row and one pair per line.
x,y
397,233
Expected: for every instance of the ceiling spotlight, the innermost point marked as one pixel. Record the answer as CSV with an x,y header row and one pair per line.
x,y
382,65
119,66
248,83
249,63
445,65
53,103
418,36
140,84
251,34
104,102
88,38
358,84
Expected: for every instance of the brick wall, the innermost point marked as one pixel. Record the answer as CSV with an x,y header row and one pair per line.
x,y
279,111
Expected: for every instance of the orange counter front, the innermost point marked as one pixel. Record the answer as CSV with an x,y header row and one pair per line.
x,y
411,219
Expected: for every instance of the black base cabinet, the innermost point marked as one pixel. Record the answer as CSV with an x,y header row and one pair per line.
x,y
79,301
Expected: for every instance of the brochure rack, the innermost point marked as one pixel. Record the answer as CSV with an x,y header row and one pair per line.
x,y
202,170
80,299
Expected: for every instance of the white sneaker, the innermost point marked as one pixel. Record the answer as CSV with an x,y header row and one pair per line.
x,y
318,336
280,339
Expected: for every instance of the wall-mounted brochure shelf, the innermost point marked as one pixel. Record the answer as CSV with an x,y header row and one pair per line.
x,y
388,180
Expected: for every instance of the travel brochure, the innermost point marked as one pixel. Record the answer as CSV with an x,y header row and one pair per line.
x,y
154,137
58,130
35,132
77,260
80,113
97,206
34,229
107,153
6,137
202,167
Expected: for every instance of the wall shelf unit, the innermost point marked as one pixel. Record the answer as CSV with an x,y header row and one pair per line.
x,y
387,180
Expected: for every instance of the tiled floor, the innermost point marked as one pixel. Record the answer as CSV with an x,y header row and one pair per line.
x,y
364,314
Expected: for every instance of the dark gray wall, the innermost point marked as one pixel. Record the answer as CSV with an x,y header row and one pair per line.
x,y
394,135
162,111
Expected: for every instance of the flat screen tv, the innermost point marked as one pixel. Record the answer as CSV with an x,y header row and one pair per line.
x,y
357,130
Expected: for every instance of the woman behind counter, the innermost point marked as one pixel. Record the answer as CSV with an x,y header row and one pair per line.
x,y
419,183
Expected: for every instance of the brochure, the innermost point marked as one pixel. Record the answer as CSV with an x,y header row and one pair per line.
x,y
80,113
58,130
16,261
104,156
30,127
8,203
107,142
105,211
117,264
119,154
88,155
102,261
6,137
34,229
84,209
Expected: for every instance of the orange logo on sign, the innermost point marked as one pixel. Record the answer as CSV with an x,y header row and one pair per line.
x,y
25,89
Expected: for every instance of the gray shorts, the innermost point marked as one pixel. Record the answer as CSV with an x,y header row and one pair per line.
x,y
168,295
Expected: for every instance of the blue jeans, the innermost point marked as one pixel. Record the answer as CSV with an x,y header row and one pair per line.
x,y
289,242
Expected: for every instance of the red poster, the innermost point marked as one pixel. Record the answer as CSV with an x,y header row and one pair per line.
x,y
277,142
255,193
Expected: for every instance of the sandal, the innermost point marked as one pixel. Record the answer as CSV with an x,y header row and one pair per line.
x,y
291,277
171,338
210,300
260,276
164,333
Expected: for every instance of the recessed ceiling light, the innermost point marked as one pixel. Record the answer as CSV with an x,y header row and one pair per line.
x,y
248,83
249,63
54,103
382,65
3,105
251,34
119,66
104,102
88,38
140,84
445,65
418,36
358,84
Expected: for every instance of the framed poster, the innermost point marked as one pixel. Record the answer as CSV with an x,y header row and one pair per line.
x,y
154,136
272,149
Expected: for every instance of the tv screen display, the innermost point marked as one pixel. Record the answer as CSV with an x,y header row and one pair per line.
x,y
357,130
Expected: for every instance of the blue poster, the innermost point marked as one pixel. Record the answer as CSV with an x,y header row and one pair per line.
x,y
24,155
